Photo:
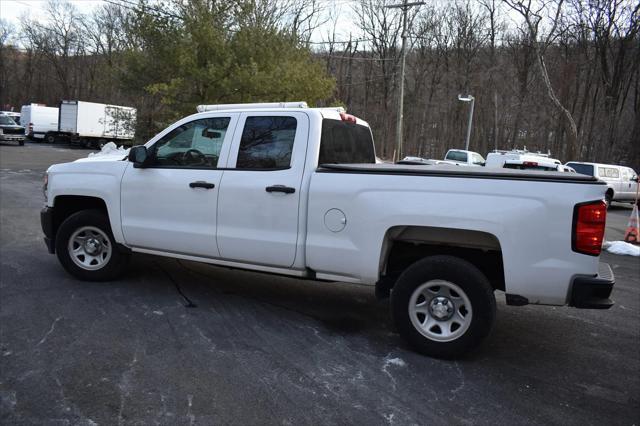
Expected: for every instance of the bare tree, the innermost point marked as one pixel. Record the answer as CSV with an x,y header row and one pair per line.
x,y
533,20
381,26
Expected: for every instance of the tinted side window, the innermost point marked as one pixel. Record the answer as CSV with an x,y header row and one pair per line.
x,y
343,142
193,144
584,169
267,143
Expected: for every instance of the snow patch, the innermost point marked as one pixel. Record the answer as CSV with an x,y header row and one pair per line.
x,y
395,361
621,247
110,149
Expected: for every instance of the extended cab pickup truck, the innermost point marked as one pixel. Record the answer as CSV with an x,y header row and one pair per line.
x,y
290,190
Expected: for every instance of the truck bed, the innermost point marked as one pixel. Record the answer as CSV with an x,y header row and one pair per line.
x,y
445,170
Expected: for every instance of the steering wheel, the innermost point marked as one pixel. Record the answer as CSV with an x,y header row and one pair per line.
x,y
193,154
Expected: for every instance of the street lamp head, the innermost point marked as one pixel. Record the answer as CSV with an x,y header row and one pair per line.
x,y
467,98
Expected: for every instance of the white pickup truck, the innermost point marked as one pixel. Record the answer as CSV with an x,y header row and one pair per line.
x,y
290,190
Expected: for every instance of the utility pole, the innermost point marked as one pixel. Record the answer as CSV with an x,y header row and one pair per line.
x,y
405,7
471,99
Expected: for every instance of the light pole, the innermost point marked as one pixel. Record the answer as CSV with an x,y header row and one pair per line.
x,y
471,99
405,7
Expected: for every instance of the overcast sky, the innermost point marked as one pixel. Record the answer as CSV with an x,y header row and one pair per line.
x,y
12,10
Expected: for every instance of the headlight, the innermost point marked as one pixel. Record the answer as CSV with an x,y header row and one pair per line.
x,y
45,185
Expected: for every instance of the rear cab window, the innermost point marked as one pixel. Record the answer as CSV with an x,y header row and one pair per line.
x,y
456,156
517,166
343,142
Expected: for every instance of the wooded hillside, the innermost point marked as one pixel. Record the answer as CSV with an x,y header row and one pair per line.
x,y
558,75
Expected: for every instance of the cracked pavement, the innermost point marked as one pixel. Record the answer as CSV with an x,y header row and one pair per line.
x,y
261,349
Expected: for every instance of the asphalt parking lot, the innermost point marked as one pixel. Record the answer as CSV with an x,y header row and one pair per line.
x,y
259,349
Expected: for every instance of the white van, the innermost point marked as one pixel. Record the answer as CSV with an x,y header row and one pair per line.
x,y
622,181
38,119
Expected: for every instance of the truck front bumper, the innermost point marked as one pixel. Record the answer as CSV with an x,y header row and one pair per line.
x,y
46,221
589,292
11,138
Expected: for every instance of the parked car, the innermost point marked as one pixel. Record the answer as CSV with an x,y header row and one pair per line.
x,y
10,131
296,191
38,120
461,157
622,182
14,115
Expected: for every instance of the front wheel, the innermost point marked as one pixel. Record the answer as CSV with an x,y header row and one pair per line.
x,y
443,306
86,248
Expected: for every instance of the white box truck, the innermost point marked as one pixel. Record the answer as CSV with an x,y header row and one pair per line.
x,y
38,120
93,124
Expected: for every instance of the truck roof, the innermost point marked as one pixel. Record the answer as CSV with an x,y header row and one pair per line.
x,y
333,113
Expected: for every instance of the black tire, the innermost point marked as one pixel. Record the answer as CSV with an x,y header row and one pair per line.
x,y
462,274
21,143
113,267
608,197
50,138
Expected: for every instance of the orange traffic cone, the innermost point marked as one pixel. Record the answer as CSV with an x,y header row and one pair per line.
x,y
633,232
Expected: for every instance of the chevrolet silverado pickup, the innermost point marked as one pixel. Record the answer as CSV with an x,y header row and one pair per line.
x,y
291,190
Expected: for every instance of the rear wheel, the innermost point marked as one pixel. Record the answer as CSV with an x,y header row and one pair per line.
x,y
50,138
86,248
608,197
443,306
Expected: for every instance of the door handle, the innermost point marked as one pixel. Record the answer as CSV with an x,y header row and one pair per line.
x,y
202,184
280,188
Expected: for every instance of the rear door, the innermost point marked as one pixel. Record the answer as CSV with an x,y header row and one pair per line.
x,y
259,195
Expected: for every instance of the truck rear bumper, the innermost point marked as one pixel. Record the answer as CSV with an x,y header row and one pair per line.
x,y
589,292
46,221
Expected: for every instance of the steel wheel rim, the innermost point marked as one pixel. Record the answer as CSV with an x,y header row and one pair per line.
x,y
435,319
89,248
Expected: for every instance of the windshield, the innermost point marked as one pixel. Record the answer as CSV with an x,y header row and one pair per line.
x,y
584,169
6,120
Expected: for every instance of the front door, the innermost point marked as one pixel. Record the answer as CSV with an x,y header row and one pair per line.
x,y
260,189
170,205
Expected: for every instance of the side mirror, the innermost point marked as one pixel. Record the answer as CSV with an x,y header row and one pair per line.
x,y
138,156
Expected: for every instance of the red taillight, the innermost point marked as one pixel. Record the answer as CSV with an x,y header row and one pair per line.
x,y
588,227
530,163
348,118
